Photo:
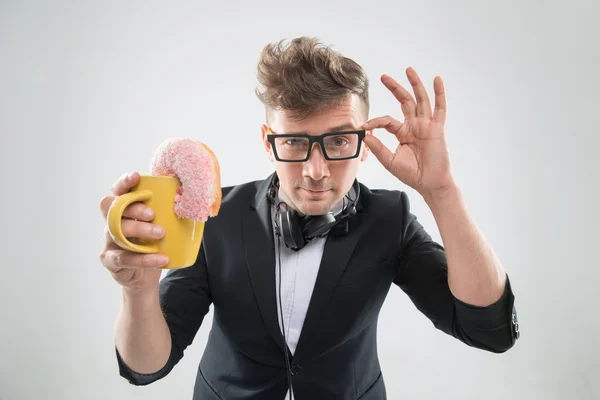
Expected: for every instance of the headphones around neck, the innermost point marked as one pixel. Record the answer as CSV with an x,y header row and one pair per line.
x,y
297,230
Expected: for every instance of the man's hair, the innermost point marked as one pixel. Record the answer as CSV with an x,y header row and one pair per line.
x,y
305,77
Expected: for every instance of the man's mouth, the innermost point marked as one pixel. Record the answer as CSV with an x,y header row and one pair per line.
x,y
312,191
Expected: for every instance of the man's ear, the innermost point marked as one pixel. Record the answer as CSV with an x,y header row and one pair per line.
x,y
263,132
365,150
264,129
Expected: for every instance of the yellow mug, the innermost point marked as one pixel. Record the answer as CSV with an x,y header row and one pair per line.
x,y
183,236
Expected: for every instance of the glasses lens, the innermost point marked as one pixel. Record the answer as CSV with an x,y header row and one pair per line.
x,y
342,145
291,148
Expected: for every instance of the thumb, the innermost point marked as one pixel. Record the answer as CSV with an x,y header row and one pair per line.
x,y
381,152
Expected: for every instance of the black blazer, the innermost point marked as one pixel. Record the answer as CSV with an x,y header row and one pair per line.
x,y
336,356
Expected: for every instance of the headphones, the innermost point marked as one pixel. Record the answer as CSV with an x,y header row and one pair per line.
x,y
296,230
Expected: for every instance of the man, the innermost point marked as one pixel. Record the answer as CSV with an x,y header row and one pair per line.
x,y
335,246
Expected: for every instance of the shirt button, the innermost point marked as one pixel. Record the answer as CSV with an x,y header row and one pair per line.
x,y
295,369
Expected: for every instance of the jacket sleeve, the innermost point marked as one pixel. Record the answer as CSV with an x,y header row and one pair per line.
x,y
185,300
422,273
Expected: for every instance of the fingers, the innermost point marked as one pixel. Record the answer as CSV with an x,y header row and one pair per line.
x,y
381,152
137,229
136,210
422,106
105,204
402,95
439,114
116,259
390,124
125,182
423,103
143,230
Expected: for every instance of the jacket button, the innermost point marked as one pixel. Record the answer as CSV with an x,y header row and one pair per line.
x,y
515,323
295,369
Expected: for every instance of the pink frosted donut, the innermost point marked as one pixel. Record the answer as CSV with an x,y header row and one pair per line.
x,y
196,166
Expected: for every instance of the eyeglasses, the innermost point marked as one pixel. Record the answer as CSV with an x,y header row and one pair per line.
x,y
296,147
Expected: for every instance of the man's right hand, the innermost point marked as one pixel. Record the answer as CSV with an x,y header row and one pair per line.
x,y
137,273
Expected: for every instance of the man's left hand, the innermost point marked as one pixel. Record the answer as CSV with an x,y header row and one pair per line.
x,y
421,159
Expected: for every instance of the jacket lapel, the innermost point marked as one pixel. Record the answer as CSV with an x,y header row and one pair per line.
x,y
260,259
336,255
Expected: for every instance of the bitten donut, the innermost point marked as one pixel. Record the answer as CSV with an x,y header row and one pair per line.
x,y
197,168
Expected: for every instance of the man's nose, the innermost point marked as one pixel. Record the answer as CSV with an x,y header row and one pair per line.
x,y
316,165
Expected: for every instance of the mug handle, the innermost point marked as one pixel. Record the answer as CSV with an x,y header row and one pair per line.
x,y
115,215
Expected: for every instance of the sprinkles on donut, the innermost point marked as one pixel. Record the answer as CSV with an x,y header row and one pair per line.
x,y
197,168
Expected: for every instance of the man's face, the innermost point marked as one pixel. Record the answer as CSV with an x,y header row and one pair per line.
x,y
316,185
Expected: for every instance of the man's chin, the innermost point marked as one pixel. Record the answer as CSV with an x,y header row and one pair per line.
x,y
312,207
314,203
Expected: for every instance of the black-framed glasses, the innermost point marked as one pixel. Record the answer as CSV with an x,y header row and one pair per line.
x,y
296,147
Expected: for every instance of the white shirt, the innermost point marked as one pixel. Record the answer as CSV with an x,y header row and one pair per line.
x,y
299,271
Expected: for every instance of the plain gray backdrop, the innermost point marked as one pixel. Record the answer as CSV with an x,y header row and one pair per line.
x,y
89,89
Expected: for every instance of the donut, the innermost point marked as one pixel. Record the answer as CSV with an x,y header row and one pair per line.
x,y
197,168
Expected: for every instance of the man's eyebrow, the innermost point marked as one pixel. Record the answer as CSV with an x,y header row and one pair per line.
x,y
344,127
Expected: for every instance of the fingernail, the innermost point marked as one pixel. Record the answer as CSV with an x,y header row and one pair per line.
x,y
162,260
157,231
148,213
130,176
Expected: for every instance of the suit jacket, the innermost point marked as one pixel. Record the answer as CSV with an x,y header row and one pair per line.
x,y
336,356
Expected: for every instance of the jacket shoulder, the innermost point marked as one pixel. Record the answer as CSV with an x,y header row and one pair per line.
x,y
382,200
240,191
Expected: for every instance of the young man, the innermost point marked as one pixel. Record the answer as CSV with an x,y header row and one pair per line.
x,y
298,265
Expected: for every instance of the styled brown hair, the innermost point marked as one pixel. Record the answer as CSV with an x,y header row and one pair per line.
x,y
305,77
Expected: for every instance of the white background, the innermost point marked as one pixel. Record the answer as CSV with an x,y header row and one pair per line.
x,y
88,90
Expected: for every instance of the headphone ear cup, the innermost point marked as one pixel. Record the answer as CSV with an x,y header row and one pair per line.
x,y
318,225
290,229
